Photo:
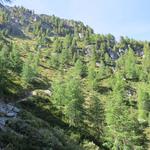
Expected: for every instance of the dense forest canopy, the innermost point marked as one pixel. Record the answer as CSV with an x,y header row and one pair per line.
x,y
63,87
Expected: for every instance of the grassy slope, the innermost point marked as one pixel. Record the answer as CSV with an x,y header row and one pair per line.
x,y
41,108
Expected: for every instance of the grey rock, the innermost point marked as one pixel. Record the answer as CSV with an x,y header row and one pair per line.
x,y
15,109
3,121
7,112
11,114
3,108
10,107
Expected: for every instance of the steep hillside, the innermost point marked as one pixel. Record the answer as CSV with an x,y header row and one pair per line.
x,y
63,87
20,20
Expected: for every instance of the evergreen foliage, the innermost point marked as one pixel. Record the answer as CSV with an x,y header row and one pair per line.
x,y
75,89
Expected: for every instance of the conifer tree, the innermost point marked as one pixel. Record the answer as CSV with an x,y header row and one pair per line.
x,y
80,68
67,41
102,71
28,70
74,108
64,57
96,116
54,61
123,130
92,77
74,47
59,96
15,61
87,38
143,103
3,70
57,46
107,59
145,69
130,65
94,56
36,61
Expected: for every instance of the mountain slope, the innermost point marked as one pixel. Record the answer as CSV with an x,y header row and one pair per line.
x,y
75,89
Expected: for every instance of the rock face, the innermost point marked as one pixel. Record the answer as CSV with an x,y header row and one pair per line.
x,y
7,112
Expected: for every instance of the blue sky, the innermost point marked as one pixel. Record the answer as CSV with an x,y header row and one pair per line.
x,y
120,17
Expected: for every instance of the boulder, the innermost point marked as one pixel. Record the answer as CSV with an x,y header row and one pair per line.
x,y
9,107
11,114
7,112
48,92
3,121
15,109
42,93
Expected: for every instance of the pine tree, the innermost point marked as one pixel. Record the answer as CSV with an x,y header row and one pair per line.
x,y
87,38
15,61
67,41
57,46
130,65
143,103
92,77
3,60
3,70
145,69
74,47
59,97
80,68
123,130
64,57
35,64
54,61
96,116
118,83
74,108
107,59
102,71
28,70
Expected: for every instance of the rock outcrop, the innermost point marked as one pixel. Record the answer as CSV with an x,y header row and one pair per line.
x,y
7,112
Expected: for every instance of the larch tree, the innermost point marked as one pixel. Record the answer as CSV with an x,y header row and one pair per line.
x,y
123,130
64,57
96,116
28,70
35,64
74,47
15,60
145,68
143,103
57,46
130,65
80,68
3,70
92,77
67,41
74,108
59,96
